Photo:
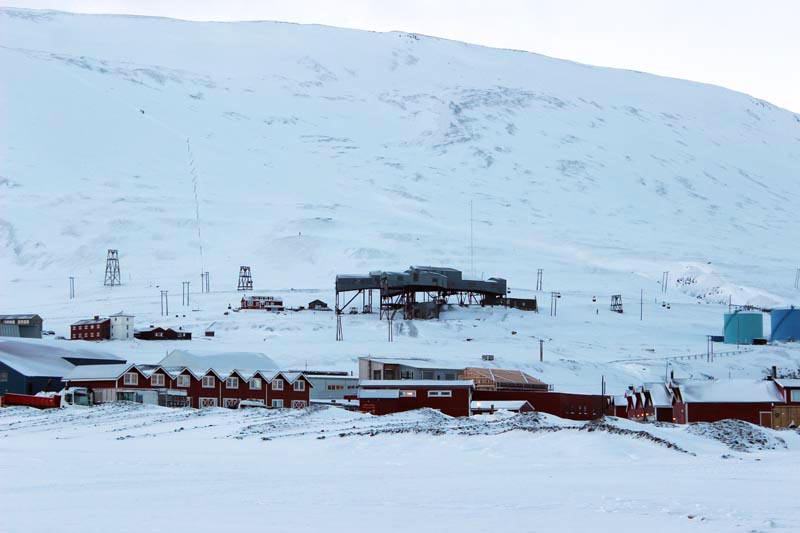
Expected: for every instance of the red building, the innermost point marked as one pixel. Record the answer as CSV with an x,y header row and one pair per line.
x,y
712,400
381,397
561,404
180,386
265,303
94,329
162,334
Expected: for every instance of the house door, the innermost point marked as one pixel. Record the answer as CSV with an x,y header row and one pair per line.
x,y
208,402
765,419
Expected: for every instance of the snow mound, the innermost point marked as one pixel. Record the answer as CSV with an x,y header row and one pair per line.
x,y
738,435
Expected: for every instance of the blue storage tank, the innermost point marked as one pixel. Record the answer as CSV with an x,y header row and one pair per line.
x,y
742,327
785,324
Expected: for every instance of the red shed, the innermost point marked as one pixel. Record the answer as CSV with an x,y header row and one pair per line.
x,y
561,404
712,400
381,397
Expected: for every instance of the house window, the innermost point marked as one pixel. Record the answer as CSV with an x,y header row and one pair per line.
x,y
208,382
184,381
376,375
277,385
277,404
794,395
440,394
232,383
406,374
131,378
255,384
427,374
408,394
157,380
299,386
3,377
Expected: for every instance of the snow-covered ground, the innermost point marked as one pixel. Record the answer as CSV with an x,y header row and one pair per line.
x,y
122,466
307,151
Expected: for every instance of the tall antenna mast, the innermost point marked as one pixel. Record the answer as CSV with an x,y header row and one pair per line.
x,y
471,242
112,276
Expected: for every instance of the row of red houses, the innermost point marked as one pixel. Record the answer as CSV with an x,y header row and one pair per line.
x,y
183,386
771,402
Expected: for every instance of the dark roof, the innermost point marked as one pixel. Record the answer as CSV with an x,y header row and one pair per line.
x,y
19,317
90,321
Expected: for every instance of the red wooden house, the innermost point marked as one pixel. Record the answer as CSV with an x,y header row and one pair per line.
x,y
712,400
181,386
154,333
94,329
562,404
264,303
381,397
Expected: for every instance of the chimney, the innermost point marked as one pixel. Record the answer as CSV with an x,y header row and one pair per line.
x,y
774,372
96,317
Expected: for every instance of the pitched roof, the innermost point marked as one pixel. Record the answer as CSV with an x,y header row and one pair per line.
x,y
36,357
502,375
98,320
510,405
729,390
122,314
790,383
19,317
96,372
33,363
221,361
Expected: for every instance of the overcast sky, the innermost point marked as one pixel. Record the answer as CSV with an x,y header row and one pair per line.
x,y
750,46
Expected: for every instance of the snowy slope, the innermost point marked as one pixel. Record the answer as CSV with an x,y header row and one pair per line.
x,y
332,150
306,151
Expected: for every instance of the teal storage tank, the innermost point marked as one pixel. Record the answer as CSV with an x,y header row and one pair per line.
x,y
742,327
785,324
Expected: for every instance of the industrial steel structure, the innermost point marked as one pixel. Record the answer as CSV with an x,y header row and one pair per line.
x,y
419,292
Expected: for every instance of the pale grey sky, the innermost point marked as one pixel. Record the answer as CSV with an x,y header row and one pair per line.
x,y
750,46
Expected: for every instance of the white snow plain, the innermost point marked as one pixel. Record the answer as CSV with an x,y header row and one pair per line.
x,y
127,467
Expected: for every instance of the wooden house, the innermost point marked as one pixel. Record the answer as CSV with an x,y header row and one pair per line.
x,y
712,400
381,397
154,333
92,329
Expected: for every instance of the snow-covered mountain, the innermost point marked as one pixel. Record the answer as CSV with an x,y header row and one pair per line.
x,y
304,151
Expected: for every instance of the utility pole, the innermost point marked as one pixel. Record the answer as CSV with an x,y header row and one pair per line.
x,y
541,350
797,279
641,304
554,296
389,321
204,283
664,281
539,273
164,303
185,293
72,287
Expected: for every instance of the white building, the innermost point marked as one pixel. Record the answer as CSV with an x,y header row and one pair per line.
x,y
121,326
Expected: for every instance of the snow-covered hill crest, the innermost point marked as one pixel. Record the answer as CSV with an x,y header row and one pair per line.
x,y
337,150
